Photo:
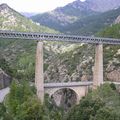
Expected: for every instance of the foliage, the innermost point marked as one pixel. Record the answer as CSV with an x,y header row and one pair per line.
x,y
100,104
111,31
87,108
3,113
5,66
73,57
19,93
106,113
23,104
31,109
17,56
53,112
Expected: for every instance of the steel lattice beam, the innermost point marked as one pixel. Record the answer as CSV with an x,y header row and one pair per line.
x,y
57,37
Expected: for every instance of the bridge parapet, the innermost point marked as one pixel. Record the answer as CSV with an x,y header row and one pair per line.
x,y
69,84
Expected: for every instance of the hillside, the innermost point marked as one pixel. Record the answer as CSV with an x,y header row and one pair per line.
x,y
69,16
75,63
92,24
103,5
112,53
17,57
12,20
62,62
63,16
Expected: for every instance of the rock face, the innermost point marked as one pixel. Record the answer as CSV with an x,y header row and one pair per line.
x,y
114,75
117,21
5,79
65,98
72,65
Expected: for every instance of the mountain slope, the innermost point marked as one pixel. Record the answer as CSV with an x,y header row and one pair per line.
x,y
17,56
62,17
12,20
103,5
92,24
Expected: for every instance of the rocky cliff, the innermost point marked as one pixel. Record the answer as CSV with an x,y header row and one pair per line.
x,y
117,21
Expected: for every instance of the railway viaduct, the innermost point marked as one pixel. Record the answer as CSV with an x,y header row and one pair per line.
x,y
79,88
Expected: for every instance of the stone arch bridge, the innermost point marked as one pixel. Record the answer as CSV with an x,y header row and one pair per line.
x,y
79,88
39,77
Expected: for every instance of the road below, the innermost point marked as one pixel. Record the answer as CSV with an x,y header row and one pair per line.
x,y
3,93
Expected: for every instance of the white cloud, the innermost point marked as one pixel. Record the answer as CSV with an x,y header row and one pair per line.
x,y
35,5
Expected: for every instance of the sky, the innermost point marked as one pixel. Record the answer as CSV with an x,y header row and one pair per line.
x,y
35,6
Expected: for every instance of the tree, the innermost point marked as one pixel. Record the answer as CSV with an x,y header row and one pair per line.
x,y
52,112
106,113
19,93
3,113
30,110
100,104
87,108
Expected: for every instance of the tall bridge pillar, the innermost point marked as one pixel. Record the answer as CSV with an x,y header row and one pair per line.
x,y
98,67
39,77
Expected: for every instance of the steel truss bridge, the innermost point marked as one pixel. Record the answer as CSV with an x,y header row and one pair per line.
x,y
57,37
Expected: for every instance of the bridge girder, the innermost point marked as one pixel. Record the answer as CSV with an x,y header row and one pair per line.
x,y
57,37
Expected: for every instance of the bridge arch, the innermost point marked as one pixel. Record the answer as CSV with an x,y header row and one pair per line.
x,y
79,91
65,97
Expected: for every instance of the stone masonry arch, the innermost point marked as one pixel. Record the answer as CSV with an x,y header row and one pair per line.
x,y
79,90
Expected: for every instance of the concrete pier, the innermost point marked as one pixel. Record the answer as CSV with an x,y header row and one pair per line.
x,y
98,67
39,76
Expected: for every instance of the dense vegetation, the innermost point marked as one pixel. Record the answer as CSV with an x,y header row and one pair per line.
x,y
17,56
100,104
22,104
17,59
23,53
112,31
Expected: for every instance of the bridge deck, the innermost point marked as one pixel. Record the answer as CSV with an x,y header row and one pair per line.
x,y
68,84
57,37
73,84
